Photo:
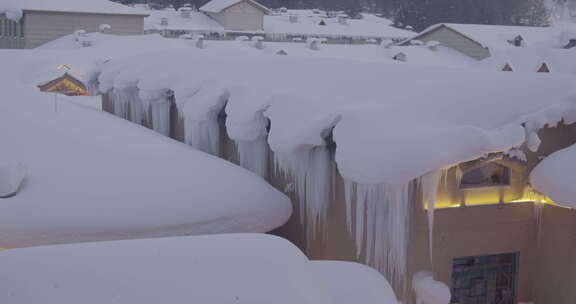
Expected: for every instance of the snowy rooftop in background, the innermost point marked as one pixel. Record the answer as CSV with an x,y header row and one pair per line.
x,y
223,269
93,176
14,8
530,60
308,23
216,6
498,36
197,21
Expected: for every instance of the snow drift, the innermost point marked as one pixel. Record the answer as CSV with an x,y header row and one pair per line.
x,y
555,177
96,177
205,269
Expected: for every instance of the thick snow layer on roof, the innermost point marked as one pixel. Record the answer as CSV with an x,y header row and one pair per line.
x,y
216,6
222,269
392,122
498,36
239,268
308,23
555,178
106,47
14,8
196,22
530,60
354,283
93,176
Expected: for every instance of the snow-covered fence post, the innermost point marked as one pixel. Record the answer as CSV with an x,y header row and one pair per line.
x,y
387,43
433,45
104,28
258,42
199,42
313,43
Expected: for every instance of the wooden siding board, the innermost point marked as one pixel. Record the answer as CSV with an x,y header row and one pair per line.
x,y
42,27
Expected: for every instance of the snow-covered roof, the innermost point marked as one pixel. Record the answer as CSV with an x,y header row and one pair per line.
x,y
308,23
217,6
95,177
530,60
498,36
222,269
14,8
196,22
392,122
555,178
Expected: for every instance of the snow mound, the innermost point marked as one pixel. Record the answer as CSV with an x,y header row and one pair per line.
x,y
207,269
354,283
555,177
428,290
222,269
97,177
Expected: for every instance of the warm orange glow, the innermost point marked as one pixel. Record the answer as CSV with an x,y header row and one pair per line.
x,y
64,67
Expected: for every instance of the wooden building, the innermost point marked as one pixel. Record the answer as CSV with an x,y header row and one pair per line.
x,y
237,15
65,84
43,21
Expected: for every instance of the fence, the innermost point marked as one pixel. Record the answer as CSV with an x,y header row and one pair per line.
x,y
275,37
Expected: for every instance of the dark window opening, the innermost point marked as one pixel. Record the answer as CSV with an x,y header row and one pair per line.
x,y
490,279
489,175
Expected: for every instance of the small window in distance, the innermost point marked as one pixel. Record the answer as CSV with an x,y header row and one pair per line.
x,y
489,175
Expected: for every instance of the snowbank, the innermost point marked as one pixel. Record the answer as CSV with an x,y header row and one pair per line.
x,y
239,268
555,178
208,269
354,283
14,8
93,176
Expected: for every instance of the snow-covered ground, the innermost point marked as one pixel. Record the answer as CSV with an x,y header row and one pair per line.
x,y
204,269
93,176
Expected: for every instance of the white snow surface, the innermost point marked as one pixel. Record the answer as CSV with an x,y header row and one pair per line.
x,y
555,178
93,176
354,283
308,23
428,290
216,6
392,122
197,21
14,8
529,60
222,269
497,36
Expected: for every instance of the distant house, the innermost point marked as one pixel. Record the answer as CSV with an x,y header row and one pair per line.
x,y
31,23
65,84
237,15
478,41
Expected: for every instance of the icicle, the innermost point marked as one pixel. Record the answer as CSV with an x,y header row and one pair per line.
x,y
254,155
199,105
203,135
311,171
382,225
160,115
430,183
538,213
127,104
